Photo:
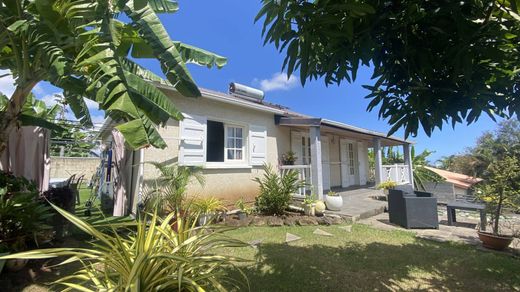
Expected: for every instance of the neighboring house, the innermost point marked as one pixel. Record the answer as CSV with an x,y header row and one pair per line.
x,y
456,186
231,137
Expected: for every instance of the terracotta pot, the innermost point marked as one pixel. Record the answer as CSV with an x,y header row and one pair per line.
x,y
496,242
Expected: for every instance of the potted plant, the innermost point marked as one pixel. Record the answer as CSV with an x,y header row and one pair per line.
x,y
499,191
333,201
207,209
289,158
309,205
387,185
244,210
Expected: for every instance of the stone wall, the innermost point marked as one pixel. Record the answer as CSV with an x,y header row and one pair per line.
x,y
63,167
443,191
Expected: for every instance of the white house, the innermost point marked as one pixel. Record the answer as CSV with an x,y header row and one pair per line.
x,y
232,136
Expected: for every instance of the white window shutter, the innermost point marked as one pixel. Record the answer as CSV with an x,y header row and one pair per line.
x,y
258,145
296,146
193,140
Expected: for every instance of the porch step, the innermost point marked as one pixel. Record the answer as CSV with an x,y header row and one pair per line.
x,y
369,213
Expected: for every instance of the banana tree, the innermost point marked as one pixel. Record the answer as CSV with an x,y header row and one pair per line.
x,y
35,112
86,48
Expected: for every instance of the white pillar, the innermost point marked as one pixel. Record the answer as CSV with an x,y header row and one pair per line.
x,y
378,161
408,162
316,166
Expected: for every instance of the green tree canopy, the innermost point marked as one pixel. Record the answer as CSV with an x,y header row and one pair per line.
x,y
86,48
490,146
433,61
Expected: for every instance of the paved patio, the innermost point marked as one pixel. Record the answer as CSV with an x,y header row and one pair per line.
x,y
463,231
359,203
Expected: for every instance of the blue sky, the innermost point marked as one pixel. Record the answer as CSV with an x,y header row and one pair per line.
x,y
226,27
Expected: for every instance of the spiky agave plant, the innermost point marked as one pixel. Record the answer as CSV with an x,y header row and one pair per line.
x,y
147,256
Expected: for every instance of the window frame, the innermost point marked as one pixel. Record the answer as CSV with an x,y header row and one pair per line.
x,y
226,148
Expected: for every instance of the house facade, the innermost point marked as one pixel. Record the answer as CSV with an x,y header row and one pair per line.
x,y
232,137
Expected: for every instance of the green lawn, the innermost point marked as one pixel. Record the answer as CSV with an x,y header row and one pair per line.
x,y
369,259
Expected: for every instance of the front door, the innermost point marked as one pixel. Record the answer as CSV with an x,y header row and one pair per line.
x,y
362,162
348,165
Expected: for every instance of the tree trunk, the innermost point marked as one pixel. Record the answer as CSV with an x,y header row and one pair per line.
x,y
497,212
9,118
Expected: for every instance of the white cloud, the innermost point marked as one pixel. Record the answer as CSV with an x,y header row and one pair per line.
x,y
6,83
279,81
92,105
38,90
98,119
51,99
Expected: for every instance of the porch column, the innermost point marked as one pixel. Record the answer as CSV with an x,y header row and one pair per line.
x,y
378,161
316,166
408,162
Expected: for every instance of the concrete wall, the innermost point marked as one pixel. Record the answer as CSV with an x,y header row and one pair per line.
x,y
64,167
444,191
225,183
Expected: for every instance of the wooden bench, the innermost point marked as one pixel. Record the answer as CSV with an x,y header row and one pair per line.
x,y
453,206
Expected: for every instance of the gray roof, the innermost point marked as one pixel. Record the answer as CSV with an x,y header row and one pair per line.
x,y
273,108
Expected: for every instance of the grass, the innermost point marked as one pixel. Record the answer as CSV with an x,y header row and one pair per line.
x,y
369,259
361,260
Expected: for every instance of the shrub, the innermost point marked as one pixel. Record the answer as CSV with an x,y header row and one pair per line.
x,y
150,256
387,185
276,190
169,191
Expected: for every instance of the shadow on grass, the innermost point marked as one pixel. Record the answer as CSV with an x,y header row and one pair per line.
x,y
421,266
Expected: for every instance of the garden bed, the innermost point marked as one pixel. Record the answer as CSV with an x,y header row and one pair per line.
x,y
287,219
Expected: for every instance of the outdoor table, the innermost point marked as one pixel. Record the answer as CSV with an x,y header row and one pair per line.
x,y
453,206
57,182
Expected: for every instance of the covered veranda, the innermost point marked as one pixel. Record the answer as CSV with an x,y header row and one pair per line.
x,y
335,155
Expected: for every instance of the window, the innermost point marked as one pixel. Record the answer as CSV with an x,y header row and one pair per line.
x,y
351,158
234,143
215,142
224,142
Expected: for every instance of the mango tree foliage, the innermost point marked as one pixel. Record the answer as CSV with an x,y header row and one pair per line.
x,y
84,47
433,62
501,189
